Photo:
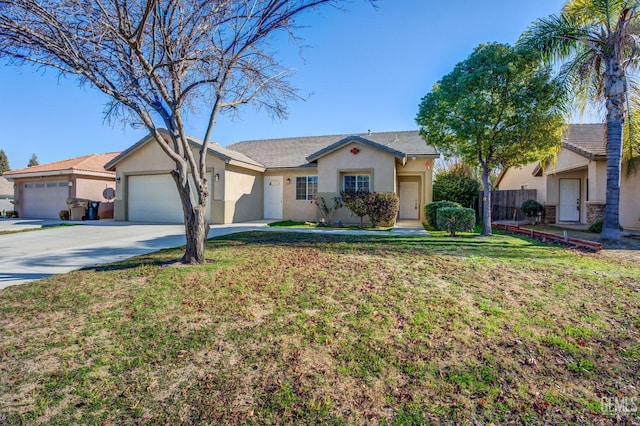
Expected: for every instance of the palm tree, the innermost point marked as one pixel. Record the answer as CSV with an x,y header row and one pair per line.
x,y
596,42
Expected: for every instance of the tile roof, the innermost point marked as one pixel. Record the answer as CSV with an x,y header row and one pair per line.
x,y
293,152
6,187
588,140
87,163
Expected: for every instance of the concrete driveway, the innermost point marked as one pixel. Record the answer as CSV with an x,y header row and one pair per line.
x,y
28,256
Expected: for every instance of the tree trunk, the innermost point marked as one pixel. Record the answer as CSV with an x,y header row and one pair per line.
x,y
486,202
196,231
615,91
195,218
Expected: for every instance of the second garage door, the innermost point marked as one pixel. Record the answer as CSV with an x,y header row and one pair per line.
x,y
154,198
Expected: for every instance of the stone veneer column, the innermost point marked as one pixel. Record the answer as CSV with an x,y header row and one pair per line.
x,y
549,213
595,212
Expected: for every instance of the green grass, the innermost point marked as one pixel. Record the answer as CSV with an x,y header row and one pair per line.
x,y
294,224
327,329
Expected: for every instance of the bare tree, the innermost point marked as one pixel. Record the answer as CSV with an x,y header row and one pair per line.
x,y
159,60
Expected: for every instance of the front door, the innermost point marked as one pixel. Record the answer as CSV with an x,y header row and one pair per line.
x,y
273,197
569,200
409,200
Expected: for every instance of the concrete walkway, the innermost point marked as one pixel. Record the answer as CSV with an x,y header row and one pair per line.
x,y
28,256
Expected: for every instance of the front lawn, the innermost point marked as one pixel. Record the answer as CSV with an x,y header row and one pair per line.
x,y
306,328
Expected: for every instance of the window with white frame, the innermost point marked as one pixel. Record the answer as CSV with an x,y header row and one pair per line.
x,y
306,187
355,183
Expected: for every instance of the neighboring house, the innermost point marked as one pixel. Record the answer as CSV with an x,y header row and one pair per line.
x,y
573,188
279,178
6,195
42,191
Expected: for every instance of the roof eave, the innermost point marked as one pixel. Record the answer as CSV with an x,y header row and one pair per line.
x,y
68,172
244,165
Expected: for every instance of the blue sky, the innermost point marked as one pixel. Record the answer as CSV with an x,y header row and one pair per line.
x,y
363,69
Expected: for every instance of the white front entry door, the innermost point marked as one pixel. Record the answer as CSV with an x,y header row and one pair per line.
x,y
409,200
273,197
569,200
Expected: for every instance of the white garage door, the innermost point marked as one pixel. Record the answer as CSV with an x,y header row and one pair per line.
x,y
44,200
154,198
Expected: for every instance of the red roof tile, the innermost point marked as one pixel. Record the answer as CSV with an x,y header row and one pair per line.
x,y
87,163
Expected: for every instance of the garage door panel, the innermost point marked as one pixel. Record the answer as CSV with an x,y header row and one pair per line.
x,y
154,198
44,200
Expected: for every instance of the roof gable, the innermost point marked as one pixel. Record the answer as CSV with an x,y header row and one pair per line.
x,y
225,154
358,139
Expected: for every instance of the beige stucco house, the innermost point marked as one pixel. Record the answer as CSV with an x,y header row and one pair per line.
x,y
42,191
573,188
278,178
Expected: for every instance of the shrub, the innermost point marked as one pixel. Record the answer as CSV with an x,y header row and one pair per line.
x,y
357,202
327,209
532,209
431,210
454,219
383,208
596,227
456,185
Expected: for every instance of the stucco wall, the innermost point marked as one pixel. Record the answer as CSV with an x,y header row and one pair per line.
x,y
292,209
243,195
95,189
517,177
378,164
566,161
150,159
630,201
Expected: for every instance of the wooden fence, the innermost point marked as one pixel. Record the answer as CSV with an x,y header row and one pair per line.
x,y
505,205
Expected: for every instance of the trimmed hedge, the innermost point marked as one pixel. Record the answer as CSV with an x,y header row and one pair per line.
x,y
383,208
454,219
431,210
532,209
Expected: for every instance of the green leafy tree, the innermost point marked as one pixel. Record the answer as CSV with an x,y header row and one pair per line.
x,y
597,42
33,161
4,162
456,184
497,108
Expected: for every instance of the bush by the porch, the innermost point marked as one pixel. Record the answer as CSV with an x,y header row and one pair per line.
x,y
532,209
383,208
431,209
454,219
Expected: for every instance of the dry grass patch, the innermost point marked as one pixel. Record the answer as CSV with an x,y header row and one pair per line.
x,y
317,329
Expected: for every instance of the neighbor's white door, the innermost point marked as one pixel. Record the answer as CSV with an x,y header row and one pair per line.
x,y
569,200
409,200
154,198
44,200
273,197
